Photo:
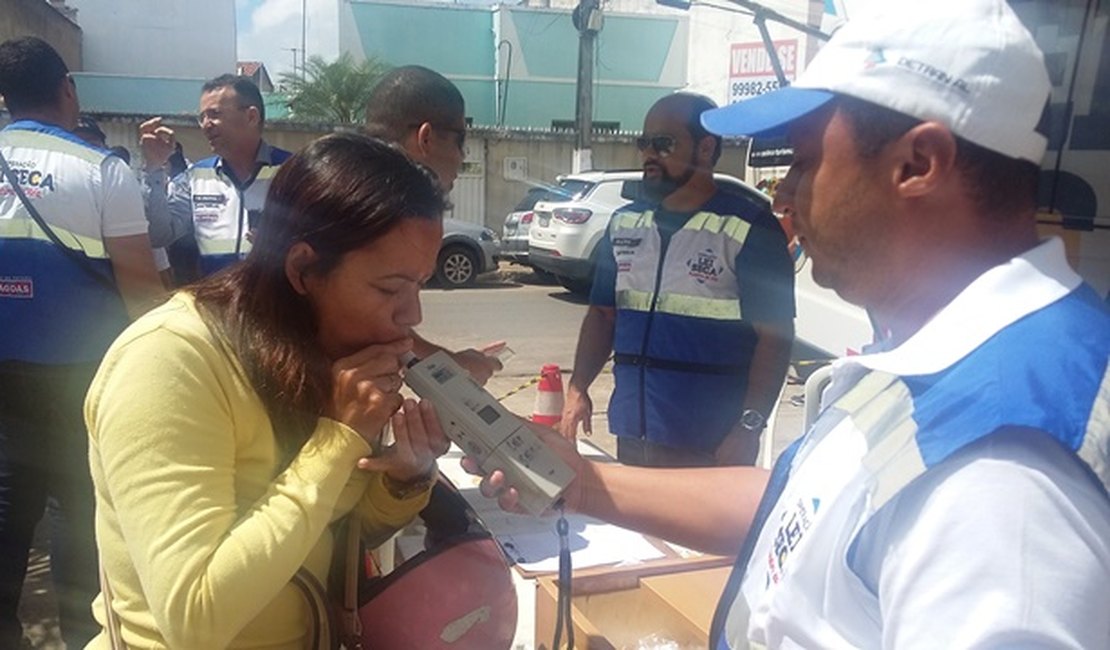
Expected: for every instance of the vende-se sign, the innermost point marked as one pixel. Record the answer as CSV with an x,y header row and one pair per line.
x,y
751,72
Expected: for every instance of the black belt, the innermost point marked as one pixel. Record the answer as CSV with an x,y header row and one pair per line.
x,y
680,366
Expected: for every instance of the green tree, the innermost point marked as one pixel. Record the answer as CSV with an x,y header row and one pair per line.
x,y
333,92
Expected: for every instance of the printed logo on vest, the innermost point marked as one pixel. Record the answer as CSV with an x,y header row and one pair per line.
x,y
705,266
207,207
627,242
793,526
17,287
34,183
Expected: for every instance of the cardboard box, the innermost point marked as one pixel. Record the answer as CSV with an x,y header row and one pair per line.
x,y
623,608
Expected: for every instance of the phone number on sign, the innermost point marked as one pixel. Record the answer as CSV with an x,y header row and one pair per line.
x,y
753,88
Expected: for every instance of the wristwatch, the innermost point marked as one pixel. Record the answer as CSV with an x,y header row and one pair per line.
x,y
402,490
753,420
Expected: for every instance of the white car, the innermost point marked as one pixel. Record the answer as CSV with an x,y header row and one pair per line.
x,y
564,236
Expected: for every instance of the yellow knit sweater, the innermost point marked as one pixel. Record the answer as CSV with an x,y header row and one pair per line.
x,y
198,533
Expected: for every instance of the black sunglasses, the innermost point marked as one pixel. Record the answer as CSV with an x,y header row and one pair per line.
x,y
662,144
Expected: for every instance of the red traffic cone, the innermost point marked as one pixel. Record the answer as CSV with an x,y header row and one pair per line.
x,y
549,396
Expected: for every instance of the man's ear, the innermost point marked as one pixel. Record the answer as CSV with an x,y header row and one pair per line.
x,y
423,142
925,158
298,263
254,116
706,146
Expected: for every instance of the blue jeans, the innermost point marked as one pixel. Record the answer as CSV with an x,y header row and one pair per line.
x,y
44,455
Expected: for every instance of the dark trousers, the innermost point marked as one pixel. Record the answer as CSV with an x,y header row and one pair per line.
x,y
44,455
640,452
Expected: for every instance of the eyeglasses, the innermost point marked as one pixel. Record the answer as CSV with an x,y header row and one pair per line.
x,y
662,144
214,115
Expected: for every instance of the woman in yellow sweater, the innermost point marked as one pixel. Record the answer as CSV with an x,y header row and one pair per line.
x,y
232,425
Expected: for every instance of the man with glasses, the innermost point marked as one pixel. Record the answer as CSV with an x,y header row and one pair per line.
x,y
424,113
694,296
217,199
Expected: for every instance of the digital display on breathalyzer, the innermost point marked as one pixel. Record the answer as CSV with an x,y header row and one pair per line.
x,y
489,414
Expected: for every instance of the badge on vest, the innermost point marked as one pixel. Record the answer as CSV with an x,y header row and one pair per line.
x,y
17,287
705,266
793,526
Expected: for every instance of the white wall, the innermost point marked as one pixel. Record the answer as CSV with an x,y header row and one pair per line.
x,y
167,38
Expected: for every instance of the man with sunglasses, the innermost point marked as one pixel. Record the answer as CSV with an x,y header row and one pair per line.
x,y
424,113
694,296
217,199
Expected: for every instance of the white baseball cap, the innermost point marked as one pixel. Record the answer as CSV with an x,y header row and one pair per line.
x,y
968,64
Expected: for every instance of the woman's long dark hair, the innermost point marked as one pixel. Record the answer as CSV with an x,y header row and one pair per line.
x,y
340,193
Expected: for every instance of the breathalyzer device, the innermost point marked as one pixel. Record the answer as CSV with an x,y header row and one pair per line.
x,y
487,432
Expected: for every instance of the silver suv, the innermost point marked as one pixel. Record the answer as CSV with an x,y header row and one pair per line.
x,y
564,235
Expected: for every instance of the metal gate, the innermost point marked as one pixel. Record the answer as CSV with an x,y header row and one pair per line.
x,y
469,194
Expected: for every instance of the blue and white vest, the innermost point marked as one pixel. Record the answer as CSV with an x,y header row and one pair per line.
x,y
223,213
681,346
51,310
898,425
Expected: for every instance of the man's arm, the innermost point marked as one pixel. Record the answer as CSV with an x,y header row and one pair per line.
x,y
706,508
170,213
136,277
126,241
765,275
770,359
595,342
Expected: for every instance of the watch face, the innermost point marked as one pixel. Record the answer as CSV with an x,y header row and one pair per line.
x,y
753,420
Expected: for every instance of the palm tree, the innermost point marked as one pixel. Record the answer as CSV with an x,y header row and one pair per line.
x,y
333,92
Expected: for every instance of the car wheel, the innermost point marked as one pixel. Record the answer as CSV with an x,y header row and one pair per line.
x,y
457,266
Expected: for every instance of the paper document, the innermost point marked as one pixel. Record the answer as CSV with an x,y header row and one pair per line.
x,y
592,543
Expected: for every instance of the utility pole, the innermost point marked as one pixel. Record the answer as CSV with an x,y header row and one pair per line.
x,y
294,51
304,39
587,20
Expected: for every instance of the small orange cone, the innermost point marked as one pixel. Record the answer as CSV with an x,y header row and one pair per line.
x,y
549,396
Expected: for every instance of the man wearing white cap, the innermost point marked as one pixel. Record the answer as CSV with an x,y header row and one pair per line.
x,y
953,492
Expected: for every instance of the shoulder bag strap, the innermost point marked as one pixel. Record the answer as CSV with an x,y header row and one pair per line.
x,y
77,258
323,631
115,628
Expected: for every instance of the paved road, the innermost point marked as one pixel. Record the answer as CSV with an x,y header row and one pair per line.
x,y
540,323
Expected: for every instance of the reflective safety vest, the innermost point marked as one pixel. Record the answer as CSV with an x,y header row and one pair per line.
x,y
892,418
681,347
51,310
223,212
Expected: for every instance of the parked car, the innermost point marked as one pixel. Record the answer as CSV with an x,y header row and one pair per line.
x,y
468,250
514,233
564,236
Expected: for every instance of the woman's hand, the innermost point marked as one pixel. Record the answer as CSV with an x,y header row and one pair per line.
x,y
365,388
418,440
